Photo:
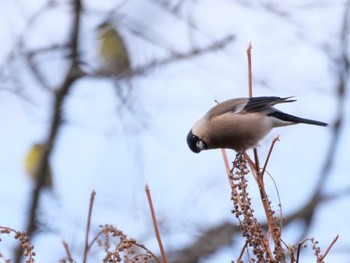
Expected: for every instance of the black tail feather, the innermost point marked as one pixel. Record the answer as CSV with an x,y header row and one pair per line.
x,y
290,118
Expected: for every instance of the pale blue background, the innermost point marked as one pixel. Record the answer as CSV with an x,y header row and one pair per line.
x,y
97,149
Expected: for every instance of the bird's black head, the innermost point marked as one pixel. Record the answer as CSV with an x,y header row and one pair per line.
x,y
194,143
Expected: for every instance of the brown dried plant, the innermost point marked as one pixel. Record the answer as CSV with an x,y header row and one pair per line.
x,y
119,248
116,245
261,245
22,237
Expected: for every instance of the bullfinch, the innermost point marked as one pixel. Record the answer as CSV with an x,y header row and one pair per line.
x,y
240,124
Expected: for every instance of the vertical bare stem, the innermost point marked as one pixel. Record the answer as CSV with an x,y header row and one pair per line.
x,y
155,224
250,93
227,166
86,248
250,81
257,163
66,248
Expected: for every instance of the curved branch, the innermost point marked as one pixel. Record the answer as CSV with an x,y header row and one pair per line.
x,y
73,74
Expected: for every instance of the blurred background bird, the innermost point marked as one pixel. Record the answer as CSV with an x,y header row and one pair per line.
x,y
114,57
115,61
32,161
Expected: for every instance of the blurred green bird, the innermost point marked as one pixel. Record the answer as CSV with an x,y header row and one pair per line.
x,y
113,53
32,161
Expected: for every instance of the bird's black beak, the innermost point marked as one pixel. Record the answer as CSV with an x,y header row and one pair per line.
x,y
192,141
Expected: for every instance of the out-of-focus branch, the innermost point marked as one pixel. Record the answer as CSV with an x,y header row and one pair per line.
x,y
342,76
73,74
175,11
20,42
33,66
217,237
207,244
176,57
220,44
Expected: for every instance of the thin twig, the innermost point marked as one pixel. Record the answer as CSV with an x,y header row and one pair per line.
x,y
250,94
86,248
251,166
329,247
260,174
155,224
291,253
229,176
148,251
250,81
257,163
279,203
69,255
266,204
269,154
299,248
179,15
182,56
239,259
95,239
227,166
34,67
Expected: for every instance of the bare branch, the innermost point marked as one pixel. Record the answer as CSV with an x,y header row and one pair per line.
x,y
69,255
73,74
183,56
155,224
86,247
343,73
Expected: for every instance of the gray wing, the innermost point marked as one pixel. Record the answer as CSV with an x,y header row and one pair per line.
x,y
256,104
233,105
245,105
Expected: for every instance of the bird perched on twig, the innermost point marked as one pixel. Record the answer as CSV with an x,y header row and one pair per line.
x,y
240,124
114,57
32,161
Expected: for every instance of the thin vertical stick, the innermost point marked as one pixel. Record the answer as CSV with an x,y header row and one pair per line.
x,y
155,224
291,253
257,163
250,93
259,174
66,248
227,166
250,81
86,249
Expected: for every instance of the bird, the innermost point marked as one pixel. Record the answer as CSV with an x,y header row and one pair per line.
x,y
32,161
115,61
240,124
113,54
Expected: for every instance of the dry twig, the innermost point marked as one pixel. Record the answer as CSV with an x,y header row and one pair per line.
x,y
69,255
155,224
86,248
23,238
